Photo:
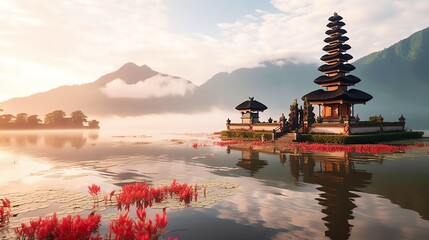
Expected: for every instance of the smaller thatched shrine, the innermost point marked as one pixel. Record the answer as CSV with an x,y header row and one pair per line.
x,y
250,110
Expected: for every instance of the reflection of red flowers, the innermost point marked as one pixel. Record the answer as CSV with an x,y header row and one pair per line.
x,y
359,148
228,143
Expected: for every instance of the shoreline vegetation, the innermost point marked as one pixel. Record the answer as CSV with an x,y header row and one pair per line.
x,y
325,138
53,120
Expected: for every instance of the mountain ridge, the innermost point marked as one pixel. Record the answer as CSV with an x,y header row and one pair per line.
x,y
395,73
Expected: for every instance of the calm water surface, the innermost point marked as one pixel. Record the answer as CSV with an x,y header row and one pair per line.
x,y
275,196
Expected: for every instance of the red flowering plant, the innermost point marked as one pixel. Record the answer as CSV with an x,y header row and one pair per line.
x,y
140,194
69,227
4,212
94,190
125,228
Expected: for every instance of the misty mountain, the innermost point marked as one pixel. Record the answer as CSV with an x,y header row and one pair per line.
x,y
130,90
397,78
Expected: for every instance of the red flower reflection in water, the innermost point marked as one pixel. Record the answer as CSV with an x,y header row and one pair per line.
x,y
359,148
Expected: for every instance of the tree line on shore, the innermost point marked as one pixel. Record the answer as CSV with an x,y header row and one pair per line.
x,y
53,120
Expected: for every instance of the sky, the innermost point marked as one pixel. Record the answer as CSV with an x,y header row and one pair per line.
x,y
46,44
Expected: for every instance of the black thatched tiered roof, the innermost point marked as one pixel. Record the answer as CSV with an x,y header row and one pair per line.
x,y
349,79
351,95
251,105
339,55
336,69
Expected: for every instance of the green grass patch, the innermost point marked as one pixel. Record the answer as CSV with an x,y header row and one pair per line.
x,y
245,135
359,138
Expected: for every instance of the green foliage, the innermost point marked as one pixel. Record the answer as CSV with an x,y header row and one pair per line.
x,y
248,135
293,116
308,112
373,119
321,138
359,139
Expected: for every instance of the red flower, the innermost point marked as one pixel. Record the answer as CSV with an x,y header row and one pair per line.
x,y
67,228
111,194
6,202
94,189
122,227
161,221
141,214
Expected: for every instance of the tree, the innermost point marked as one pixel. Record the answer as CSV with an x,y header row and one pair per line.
x,y
78,118
6,120
21,119
55,118
93,124
33,120
308,112
293,116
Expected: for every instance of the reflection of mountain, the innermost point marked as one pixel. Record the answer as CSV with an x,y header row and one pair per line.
x,y
337,180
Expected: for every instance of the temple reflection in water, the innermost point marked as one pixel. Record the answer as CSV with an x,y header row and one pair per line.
x,y
334,172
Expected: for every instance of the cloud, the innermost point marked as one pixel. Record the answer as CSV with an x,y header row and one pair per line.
x,y
74,42
157,86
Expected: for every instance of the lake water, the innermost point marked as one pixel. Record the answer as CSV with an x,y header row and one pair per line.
x,y
251,194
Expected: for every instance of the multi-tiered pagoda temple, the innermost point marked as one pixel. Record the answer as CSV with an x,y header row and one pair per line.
x,y
337,100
